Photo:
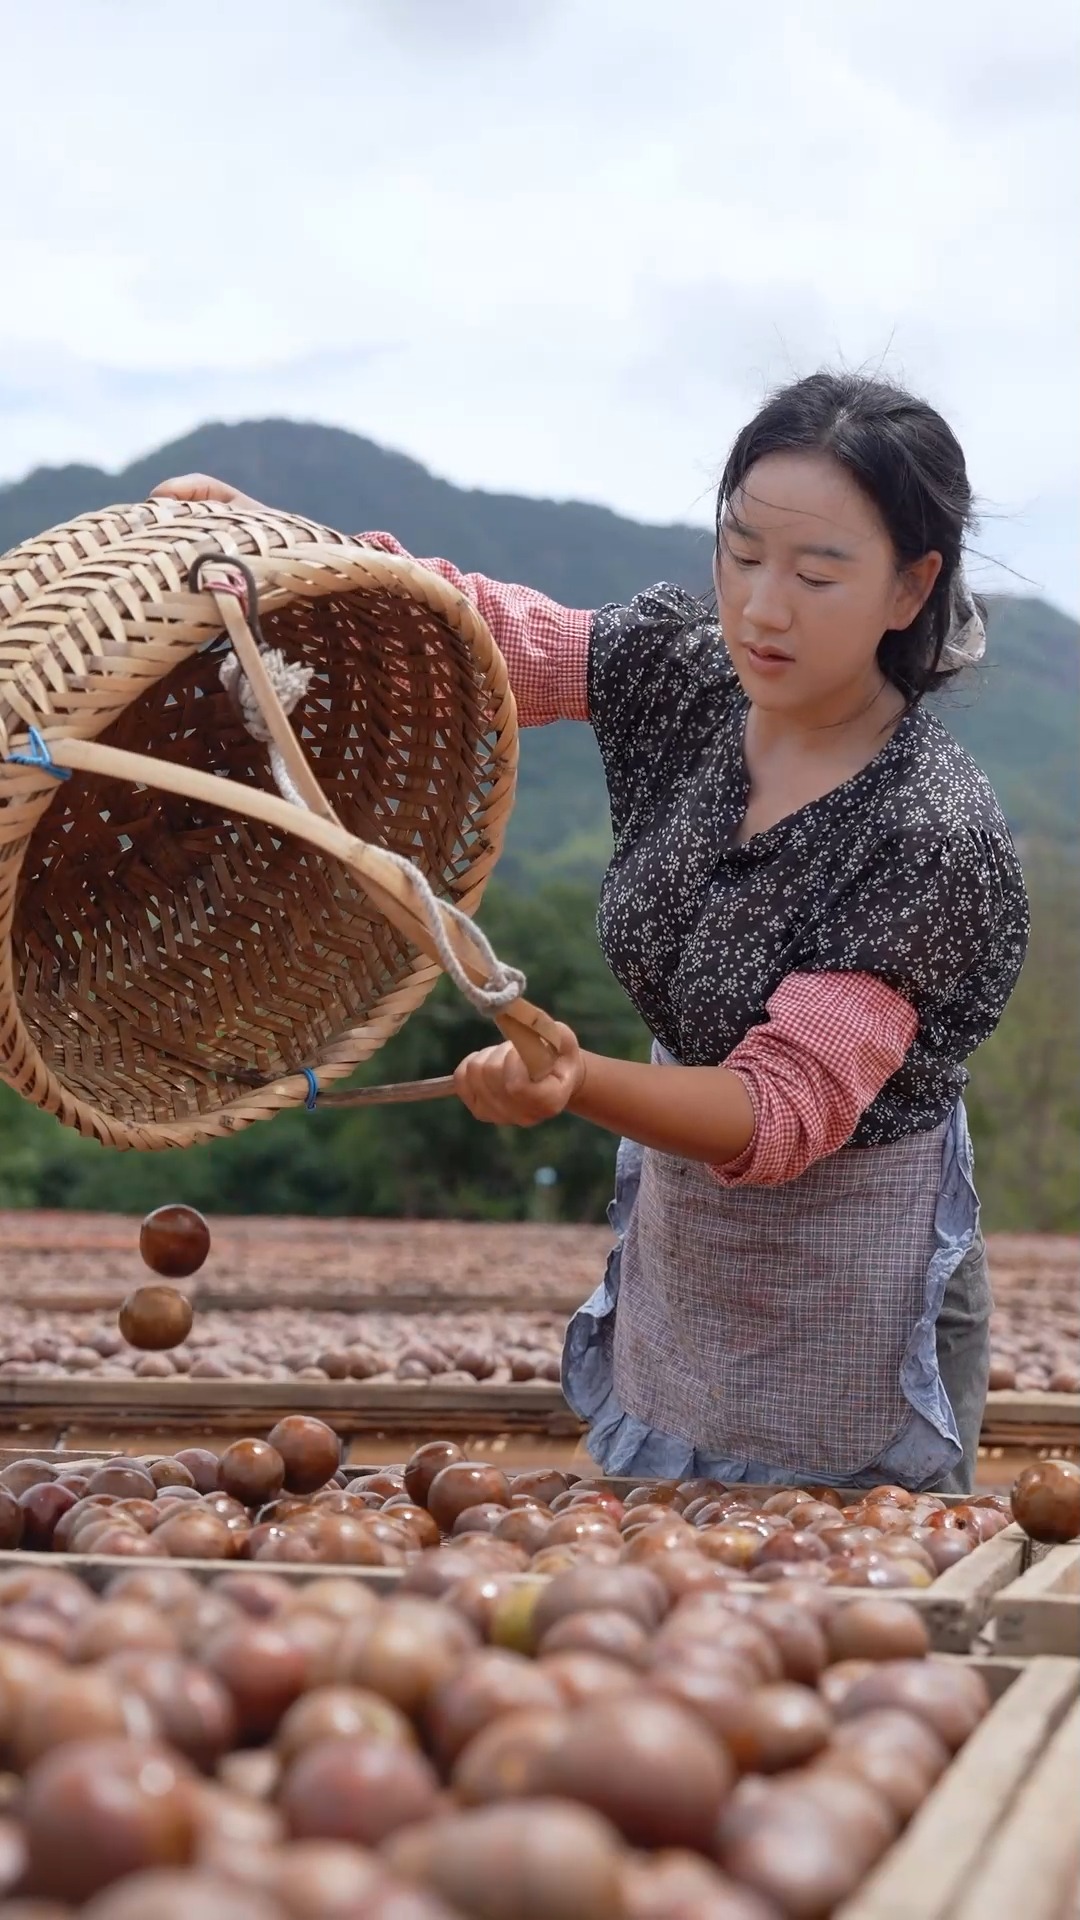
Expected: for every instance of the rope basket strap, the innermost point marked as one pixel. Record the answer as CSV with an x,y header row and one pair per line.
x,y
292,760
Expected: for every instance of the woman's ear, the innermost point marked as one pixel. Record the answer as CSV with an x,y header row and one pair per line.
x,y
914,585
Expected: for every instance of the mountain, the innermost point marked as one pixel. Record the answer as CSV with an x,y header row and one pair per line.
x,y
1017,716
579,554
1019,719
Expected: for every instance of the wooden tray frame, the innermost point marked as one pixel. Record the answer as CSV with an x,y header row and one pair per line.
x,y
205,1297
325,1300
1009,1409
999,1837
350,1406
955,1608
1032,1865
1039,1613
1011,1419
954,1616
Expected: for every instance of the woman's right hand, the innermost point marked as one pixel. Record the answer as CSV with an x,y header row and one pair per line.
x,y
201,486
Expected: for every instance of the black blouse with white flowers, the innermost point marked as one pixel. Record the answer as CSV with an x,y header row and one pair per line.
x,y
906,871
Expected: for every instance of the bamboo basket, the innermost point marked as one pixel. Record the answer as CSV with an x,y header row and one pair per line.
x,y
187,938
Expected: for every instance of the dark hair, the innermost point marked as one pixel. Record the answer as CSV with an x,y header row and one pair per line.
x,y
908,461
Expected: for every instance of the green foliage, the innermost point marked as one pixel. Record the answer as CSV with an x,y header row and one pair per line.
x,y
432,1159
426,1159
1017,717
1024,1099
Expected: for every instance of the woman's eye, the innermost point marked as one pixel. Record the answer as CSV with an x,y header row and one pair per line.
x,y
743,561
808,581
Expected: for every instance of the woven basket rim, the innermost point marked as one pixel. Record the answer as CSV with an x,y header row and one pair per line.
x,y
38,630
67,634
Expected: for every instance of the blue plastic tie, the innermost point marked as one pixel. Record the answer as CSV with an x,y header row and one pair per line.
x,y
313,1089
39,756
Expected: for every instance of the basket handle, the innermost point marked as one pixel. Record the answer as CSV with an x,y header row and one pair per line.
x,y
243,632
238,608
531,1030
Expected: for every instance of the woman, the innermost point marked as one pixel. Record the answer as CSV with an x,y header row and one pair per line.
x,y
816,907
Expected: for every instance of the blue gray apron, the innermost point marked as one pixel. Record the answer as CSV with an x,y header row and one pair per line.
x,y
778,1333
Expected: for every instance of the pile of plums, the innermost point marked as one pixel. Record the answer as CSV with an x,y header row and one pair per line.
x,y
1035,1346
548,1518
187,1505
607,1744
286,1499
279,1343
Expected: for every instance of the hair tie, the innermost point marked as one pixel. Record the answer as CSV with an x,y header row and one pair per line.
x,y
965,642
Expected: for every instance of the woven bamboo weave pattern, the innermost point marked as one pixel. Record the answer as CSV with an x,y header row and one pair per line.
x,y
162,961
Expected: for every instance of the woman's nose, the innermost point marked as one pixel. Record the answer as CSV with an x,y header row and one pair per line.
x,y
767,604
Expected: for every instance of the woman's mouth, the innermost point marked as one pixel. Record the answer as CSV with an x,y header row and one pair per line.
x,y
768,659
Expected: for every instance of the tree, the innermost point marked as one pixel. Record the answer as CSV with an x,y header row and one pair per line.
x,y
1024,1099
433,1159
428,1159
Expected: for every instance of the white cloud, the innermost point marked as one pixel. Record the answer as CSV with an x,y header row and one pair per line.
x,y
553,246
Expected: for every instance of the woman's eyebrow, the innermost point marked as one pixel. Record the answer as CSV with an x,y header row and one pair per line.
x,y
826,553
820,551
732,524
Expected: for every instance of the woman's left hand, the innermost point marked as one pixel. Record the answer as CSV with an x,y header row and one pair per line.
x,y
495,1084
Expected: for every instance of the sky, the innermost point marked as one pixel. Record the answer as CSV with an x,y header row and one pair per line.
x,y
552,247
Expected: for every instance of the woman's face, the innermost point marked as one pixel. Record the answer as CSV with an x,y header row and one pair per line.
x,y
807,582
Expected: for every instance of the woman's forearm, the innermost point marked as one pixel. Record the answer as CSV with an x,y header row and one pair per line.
x,y
696,1113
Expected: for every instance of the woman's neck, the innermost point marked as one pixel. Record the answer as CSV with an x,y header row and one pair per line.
x,y
836,726
793,759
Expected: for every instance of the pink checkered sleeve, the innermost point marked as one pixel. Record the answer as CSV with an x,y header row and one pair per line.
x,y
829,1045
545,646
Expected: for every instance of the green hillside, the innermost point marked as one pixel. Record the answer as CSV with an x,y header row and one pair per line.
x,y
1017,717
